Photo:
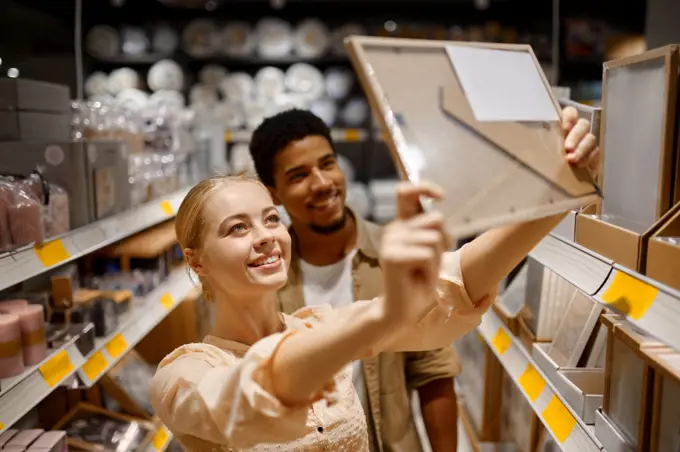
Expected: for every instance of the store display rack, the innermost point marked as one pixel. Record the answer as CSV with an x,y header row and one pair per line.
x,y
647,304
20,394
339,135
570,433
25,263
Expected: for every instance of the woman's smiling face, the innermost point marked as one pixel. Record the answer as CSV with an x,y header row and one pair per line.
x,y
246,249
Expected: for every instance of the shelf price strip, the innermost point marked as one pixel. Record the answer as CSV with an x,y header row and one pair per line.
x,y
95,366
57,368
161,438
51,253
547,405
117,346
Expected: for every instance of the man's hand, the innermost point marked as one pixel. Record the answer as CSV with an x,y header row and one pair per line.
x,y
580,145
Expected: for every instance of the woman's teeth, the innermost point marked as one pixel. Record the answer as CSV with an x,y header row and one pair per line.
x,y
269,260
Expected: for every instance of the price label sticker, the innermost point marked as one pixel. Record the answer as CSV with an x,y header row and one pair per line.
x,y
532,382
117,346
501,341
160,439
227,136
352,135
167,302
167,209
629,295
95,366
558,419
2,426
55,369
51,253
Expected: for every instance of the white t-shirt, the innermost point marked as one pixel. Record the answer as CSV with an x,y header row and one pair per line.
x,y
332,285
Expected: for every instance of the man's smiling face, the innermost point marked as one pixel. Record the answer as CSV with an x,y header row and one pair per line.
x,y
310,185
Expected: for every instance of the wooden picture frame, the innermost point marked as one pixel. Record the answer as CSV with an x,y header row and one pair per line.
x,y
628,381
575,330
130,400
666,404
628,85
493,173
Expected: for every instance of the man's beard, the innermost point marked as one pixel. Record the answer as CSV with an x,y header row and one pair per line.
x,y
330,228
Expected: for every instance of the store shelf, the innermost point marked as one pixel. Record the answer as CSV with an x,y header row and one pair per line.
x,y
338,135
20,394
160,441
570,433
108,351
647,304
28,262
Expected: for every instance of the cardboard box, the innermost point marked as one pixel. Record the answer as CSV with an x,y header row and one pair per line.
x,y
22,94
663,252
638,140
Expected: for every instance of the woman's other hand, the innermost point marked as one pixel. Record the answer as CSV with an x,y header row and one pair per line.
x,y
580,145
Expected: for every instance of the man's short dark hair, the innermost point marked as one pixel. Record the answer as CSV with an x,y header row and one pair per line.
x,y
277,132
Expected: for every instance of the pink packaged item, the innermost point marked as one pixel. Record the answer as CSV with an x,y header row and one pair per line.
x,y
6,436
6,200
11,354
26,220
57,220
24,438
50,442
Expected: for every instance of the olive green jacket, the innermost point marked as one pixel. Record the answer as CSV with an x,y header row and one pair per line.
x,y
389,377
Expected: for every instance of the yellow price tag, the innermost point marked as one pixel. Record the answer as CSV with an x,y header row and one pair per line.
x,y
629,295
51,253
117,346
167,302
558,419
160,439
501,341
95,366
227,136
58,367
352,135
167,209
2,426
532,382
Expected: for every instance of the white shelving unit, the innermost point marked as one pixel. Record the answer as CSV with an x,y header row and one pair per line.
x,y
647,304
20,394
338,135
28,262
566,428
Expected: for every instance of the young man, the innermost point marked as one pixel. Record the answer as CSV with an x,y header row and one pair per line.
x,y
335,262
335,256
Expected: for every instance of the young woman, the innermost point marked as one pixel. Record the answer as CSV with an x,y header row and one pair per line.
x,y
267,381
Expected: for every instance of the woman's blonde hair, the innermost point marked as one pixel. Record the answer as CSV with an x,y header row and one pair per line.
x,y
190,220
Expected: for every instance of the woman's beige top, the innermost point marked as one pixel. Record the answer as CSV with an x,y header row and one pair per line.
x,y
212,395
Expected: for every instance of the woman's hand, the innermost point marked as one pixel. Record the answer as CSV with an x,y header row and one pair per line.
x,y
410,255
580,145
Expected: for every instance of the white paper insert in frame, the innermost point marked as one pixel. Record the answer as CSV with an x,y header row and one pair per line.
x,y
502,85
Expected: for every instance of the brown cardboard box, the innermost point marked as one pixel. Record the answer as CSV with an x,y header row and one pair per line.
x,y
663,252
618,240
638,140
